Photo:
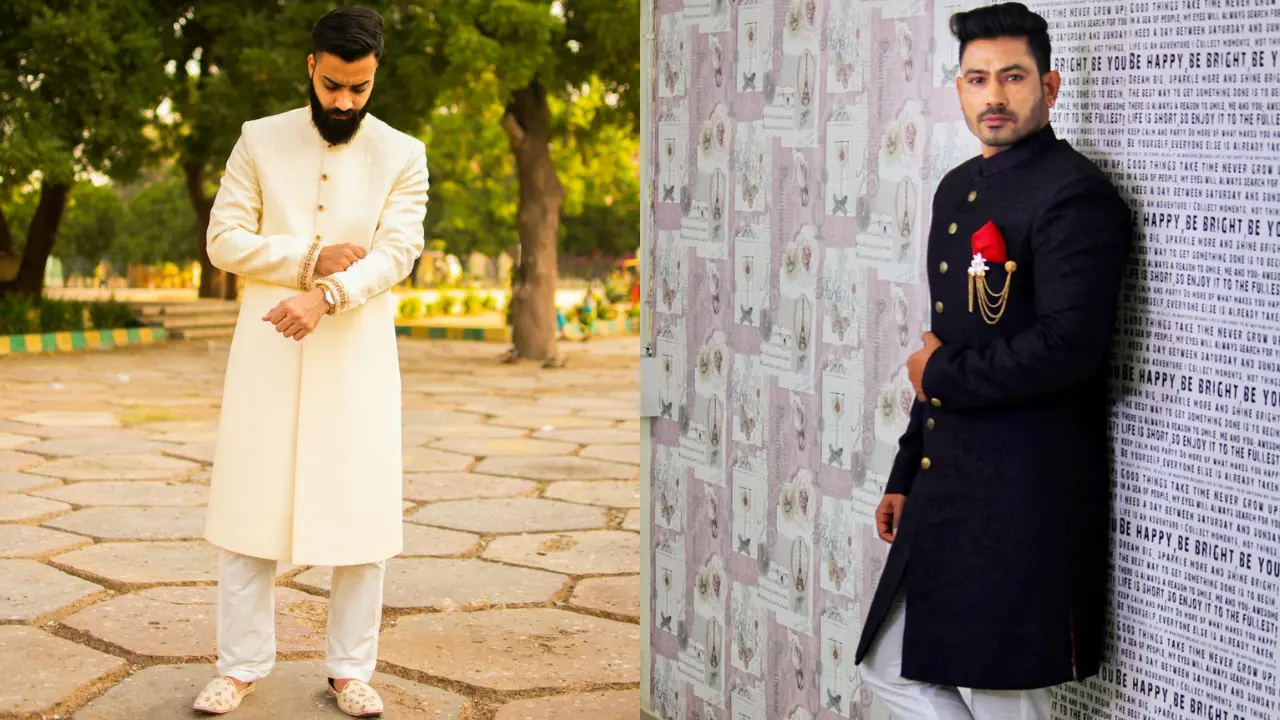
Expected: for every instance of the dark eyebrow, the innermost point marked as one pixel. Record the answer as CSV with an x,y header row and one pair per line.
x,y
335,84
1001,71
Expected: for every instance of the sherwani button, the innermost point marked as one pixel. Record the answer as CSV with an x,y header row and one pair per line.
x,y
324,177
973,195
925,464
936,402
938,306
952,229
929,423
321,208
942,267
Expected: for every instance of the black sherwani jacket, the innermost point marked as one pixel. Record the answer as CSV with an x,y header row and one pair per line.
x,y
1003,545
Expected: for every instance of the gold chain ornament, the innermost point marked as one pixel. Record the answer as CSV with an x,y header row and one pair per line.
x,y
992,304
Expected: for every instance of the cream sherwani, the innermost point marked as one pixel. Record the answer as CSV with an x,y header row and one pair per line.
x,y
308,461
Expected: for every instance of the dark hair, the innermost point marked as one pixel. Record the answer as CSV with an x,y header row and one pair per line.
x,y
350,33
1011,19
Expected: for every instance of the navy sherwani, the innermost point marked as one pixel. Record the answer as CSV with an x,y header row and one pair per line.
x,y
1003,546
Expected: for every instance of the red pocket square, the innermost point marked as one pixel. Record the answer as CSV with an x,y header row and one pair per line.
x,y
990,243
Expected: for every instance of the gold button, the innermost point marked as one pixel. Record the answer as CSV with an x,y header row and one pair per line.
x,y
973,195
942,267
324,177
321,208
936,402
317,237
926,464
929,423
938,306
952,229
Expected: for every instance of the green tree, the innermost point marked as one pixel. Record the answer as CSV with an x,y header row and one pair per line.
x,y
158,225
76,77
91,226
540,51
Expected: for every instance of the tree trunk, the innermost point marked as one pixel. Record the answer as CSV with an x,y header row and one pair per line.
x,y
40,237
211,278
6,239
533,292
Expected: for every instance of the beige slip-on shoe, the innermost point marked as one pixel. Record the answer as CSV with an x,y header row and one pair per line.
x,y
220,697
357,699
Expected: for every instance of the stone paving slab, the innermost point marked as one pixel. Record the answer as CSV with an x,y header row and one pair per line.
x,y
608,493
426,460
476,431
18,506
12,482
40,672
522,649
420,540
541,421
145,466
293,691
591,436
617,595
616,705
431,487
557,468
200,452
25,541
509,515
448,584
491,447
29,590
599,552
10,441
68,418
134,523
128,492
14,461
173,622
632,521
628,453
138,563
101,445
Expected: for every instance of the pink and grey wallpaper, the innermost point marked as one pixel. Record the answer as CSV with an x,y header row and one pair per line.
x,y
798,144
794,147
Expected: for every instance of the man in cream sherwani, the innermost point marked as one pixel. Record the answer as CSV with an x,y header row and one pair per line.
x,y
320,210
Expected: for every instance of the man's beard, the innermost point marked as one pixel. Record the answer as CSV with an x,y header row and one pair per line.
x,y
335,129
1017,128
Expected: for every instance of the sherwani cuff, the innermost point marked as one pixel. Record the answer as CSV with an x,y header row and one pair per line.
x,y
307,267
338,291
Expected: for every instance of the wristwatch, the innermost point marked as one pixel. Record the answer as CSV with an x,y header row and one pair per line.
x,y
328,297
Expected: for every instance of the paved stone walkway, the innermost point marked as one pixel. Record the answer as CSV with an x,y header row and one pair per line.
x,y
516,598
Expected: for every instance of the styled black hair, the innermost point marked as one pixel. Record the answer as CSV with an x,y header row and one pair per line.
x,y
1011,19
350,33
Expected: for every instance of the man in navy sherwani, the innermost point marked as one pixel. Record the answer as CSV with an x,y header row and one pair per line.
x,y
997,506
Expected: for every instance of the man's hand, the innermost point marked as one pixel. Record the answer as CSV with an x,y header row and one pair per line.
x,y
336,258
916,363
296,317
888,514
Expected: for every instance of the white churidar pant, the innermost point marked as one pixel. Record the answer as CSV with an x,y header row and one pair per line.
x,y
914,700
246,618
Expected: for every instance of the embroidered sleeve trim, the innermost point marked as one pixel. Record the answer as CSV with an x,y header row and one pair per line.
x,y
308,266
339,293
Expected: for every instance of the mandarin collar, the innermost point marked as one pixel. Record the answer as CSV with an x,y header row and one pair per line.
x,y
1019,152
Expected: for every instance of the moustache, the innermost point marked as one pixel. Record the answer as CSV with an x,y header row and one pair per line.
x,y
995,113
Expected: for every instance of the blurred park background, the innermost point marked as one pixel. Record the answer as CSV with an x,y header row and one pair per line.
x,y
116,118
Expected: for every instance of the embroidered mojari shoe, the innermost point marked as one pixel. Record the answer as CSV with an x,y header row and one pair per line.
x,y
357,699
220,696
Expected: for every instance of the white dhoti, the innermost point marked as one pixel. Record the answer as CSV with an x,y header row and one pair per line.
x,y
246,618
914,700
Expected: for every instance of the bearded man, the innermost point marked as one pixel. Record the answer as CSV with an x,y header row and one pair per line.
x,y
320,210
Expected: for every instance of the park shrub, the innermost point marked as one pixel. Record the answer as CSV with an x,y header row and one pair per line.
x,y
633,311
445,304
490,303
472,303
20,315
410,307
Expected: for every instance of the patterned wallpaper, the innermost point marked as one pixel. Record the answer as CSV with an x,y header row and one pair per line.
x,y
796,146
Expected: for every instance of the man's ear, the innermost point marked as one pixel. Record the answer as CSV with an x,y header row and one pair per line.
x,y
1052,82
311,64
